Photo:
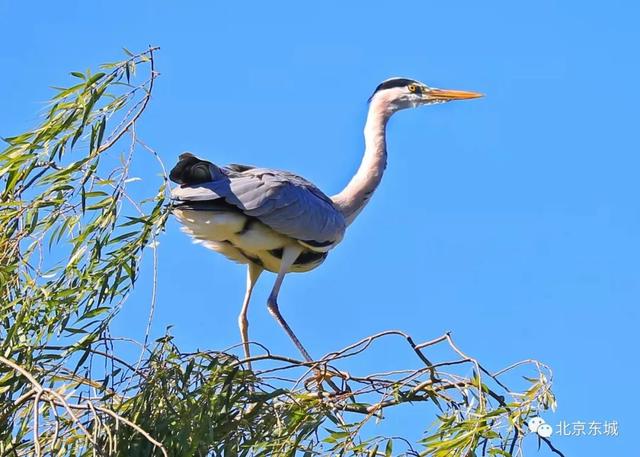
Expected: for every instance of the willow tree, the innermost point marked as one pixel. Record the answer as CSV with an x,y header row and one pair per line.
x,y
72,239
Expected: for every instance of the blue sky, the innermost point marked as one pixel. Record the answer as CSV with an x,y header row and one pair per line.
x,y
511,220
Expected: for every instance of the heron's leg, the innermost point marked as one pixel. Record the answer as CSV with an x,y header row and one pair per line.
x,y
289,255
253,273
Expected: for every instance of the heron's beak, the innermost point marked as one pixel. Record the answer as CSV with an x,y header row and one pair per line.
x,y
448,95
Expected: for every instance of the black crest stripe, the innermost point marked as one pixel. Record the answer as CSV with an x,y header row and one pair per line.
x,y
391,83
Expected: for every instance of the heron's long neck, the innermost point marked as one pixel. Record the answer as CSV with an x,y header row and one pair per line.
x,y
355,196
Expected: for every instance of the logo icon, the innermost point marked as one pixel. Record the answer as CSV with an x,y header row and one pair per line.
x,y
539,426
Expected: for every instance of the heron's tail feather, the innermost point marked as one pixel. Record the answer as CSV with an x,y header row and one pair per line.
x,y
190,170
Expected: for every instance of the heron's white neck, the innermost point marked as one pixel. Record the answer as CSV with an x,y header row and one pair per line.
x,y
355,196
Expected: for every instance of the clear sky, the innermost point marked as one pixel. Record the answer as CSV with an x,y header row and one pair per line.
x,y
512,221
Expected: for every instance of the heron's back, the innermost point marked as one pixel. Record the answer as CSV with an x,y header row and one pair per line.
x,y
251,214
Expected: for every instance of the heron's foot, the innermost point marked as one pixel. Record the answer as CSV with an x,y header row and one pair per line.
x,y
323,375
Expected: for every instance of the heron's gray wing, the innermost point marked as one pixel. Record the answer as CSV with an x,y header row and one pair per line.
x,y
239,167
284,201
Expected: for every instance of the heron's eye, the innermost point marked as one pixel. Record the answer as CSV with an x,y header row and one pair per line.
x,y
412,87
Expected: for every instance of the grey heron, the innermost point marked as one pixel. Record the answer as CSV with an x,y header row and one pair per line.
x,y
277,221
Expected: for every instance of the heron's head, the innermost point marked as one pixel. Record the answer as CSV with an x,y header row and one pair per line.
x,y
401,93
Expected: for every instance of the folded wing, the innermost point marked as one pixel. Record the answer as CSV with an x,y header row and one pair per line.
x,y
287,203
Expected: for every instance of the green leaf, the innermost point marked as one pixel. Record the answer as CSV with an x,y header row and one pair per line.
x,y
95,312
95,78
388,450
